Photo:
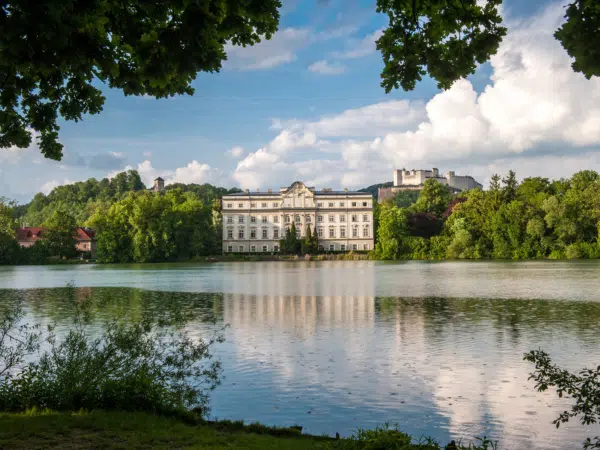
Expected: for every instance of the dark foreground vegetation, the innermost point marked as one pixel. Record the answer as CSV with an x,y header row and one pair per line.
x,y
145,382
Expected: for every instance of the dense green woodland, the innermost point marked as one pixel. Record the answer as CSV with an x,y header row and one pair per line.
x,y
536,219
133,224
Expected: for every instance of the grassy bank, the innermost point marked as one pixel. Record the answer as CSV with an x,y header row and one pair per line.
x,y
120,430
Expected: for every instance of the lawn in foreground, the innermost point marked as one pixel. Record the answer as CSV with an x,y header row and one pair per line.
x,y
119,430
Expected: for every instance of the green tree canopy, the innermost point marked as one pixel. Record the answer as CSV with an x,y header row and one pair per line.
x,y
447,39
60,233
52,51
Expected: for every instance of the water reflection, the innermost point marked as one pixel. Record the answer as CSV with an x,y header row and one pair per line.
x,y
318,345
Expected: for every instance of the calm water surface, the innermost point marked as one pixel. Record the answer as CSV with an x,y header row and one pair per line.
x,y
434,347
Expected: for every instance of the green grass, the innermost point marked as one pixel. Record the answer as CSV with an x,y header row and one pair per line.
x,y
120,430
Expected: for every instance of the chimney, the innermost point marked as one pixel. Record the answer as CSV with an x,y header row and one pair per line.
x,y
270,191
247,191
345,189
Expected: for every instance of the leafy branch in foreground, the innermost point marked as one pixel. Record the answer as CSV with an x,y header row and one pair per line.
x,y
584,388
150,365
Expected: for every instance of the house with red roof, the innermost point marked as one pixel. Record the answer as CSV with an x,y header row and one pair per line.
x,y
85,238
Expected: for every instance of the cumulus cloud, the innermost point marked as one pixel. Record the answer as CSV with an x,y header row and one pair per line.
x,y
325,68
534,106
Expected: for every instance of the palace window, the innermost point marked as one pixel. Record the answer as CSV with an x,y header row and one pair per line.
x,y
253,233
320,232
331,218
241,219
275,205
276,248
241,234
264,233
297,218
319,219
319,205
342,204
240,205
276,233
331,204
365,217
252,219
343,248
229,234
342,232
321,248
241,249
252,205
276,219
354,204
366,232
287,219
307,219
365,246
342,218
265,249
332,232
365,204
229,219
264,219
354,247
354,218
298,232
230,205
354,232
331,247
263,205
230,248
253,248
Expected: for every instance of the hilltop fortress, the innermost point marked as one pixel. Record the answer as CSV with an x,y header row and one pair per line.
x,y
413,180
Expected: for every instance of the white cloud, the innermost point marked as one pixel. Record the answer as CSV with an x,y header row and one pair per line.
x,y
280,49
535,103
46,188
236,152
324,68
360,48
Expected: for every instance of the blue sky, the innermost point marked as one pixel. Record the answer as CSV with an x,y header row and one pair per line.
x,y
308,105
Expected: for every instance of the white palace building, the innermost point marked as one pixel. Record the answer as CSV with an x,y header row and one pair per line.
x,y
256,221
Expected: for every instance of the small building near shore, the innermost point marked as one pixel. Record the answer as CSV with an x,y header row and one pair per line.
x,y
85,238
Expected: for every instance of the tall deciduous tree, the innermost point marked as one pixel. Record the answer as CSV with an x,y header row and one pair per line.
x,y
52,51
447,39
60,233
8,244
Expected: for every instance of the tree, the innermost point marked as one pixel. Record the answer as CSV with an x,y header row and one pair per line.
x,y
290,243
583,388
447,39
509,190
52,52
434,198
8,245
60,233
393,227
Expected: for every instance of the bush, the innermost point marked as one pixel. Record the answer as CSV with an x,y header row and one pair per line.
x,y
141,366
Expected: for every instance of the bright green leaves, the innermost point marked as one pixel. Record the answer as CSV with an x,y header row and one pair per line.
x,y
445,38
579,36
52,50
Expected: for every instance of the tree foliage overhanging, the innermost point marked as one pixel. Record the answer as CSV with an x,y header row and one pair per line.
x,y
447,39
52,53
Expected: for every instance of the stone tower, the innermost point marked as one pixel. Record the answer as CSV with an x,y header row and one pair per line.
x,y
159,184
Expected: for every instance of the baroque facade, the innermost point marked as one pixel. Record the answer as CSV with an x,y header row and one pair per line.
x,y
256,221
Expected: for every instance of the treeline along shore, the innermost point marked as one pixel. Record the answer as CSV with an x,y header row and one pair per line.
x,y
537,218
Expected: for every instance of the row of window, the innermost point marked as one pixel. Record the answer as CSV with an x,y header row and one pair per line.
x,y
298,218
319,205
265,248
320,233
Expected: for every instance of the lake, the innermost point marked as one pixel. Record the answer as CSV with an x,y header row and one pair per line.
x,y
435,347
